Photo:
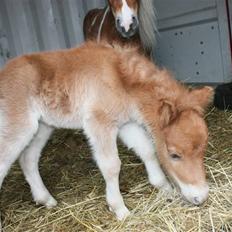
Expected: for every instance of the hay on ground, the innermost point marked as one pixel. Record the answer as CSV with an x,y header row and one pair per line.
x,y
74,180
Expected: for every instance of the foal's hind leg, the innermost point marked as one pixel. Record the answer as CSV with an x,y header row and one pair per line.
x,y
136,137
29,164
15,137
103,140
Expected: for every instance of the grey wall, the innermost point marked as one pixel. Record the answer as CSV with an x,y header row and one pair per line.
x,y
194,39
35,25
230,11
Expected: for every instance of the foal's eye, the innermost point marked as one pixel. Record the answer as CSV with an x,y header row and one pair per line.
x,y
175,157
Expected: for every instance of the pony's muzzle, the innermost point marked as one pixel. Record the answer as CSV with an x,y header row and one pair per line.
x,y
196,195
127,30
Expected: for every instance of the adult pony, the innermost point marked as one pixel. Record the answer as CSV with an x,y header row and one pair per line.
x,y
123,21
124,94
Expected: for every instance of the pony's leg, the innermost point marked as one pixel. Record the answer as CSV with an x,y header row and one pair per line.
x,y
136,138
29,160
15,137
103,141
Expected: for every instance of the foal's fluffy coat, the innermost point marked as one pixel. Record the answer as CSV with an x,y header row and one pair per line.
x,y
107,91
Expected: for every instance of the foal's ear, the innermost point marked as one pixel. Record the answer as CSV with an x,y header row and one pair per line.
x,y
202,97
167,113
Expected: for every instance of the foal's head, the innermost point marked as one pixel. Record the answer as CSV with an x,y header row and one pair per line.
x,y
183,142
125,13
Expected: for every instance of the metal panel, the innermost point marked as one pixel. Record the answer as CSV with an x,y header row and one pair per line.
x,y
6,30
224,39
90,4
230,15
4,46
194,40
71,17
193,61
48,24
181,7
36,25
1,45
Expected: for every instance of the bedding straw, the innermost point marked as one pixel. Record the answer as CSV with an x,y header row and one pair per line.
x,y
74,180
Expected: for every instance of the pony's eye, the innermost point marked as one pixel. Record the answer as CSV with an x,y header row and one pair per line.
x,y
175,157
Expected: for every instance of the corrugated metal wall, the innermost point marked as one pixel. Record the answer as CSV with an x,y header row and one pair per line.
x,y
230,16
35,25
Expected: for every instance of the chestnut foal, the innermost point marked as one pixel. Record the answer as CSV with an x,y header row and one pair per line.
x,y
124,94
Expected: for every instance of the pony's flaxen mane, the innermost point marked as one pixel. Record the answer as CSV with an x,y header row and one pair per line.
x,y
148,28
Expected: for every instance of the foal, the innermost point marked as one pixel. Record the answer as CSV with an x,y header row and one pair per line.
x,y
123,94
124,22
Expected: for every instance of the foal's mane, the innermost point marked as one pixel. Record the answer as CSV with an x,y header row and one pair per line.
x,y
139,76
148,28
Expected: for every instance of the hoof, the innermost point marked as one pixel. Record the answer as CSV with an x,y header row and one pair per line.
x,y
161,184
166,191
49,202
166,188
122,213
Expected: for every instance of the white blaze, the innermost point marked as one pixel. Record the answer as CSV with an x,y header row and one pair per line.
x,y
126,15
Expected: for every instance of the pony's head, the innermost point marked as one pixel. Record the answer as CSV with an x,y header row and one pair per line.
x,y
126,16
181,147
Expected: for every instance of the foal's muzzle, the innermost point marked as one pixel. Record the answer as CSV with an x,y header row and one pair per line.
x,y
196,195
133,27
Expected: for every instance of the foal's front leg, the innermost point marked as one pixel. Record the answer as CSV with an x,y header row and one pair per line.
x,y
103,142
135,137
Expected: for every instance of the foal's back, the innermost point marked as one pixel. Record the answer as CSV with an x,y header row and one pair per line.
x,y
63,81
50,65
